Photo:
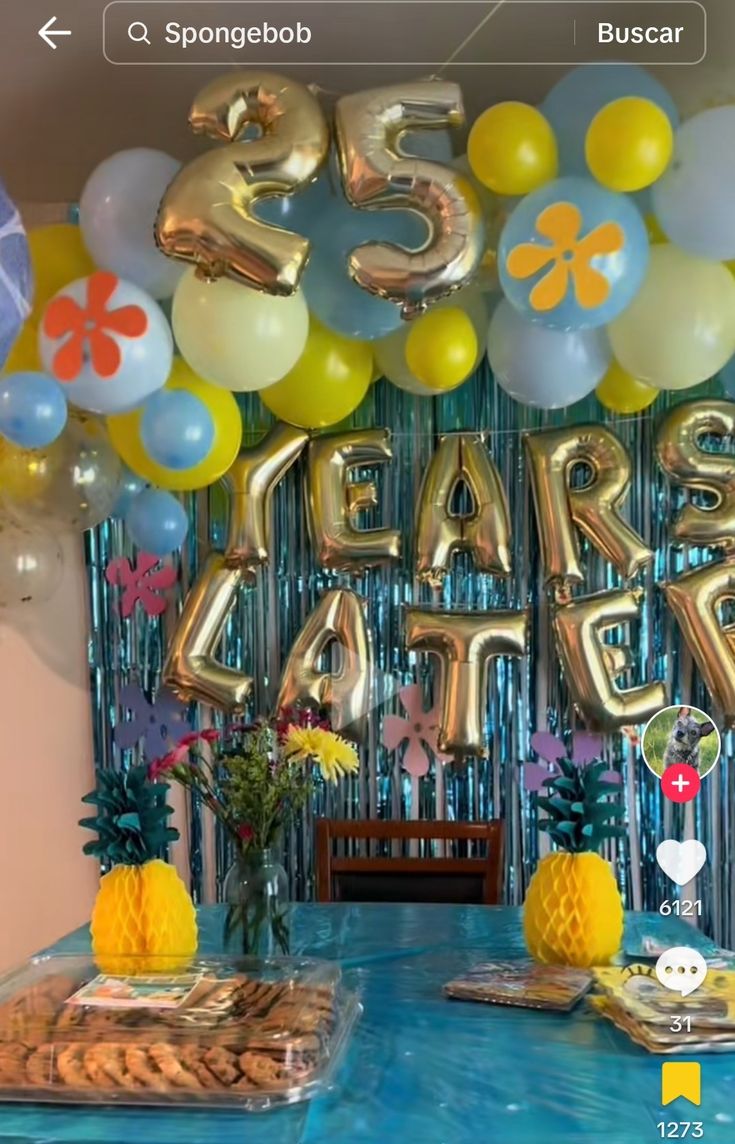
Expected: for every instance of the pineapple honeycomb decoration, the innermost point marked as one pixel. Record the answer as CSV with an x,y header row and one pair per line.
x,y
143,919
573,911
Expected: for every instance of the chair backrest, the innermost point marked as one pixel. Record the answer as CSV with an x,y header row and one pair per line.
x,y
367,878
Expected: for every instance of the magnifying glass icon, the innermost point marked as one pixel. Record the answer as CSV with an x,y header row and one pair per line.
x,y
138,32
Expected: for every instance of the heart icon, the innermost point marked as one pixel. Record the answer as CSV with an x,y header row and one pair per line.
x,y
681,861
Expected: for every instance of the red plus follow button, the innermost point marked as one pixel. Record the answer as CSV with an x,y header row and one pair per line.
x,y
680,782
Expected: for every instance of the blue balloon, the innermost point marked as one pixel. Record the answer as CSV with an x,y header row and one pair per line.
x,y
16,275
129,486
176,429
573,255
574,101
157,522
32,409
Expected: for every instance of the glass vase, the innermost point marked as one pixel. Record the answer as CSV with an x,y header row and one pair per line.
x,y
258,917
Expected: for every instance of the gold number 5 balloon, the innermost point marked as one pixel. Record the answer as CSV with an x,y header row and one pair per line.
x,y
206,214
377,174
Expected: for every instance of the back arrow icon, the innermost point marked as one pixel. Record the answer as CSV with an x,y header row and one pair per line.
x,y
46,32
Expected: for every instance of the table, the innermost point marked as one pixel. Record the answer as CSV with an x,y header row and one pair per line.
x,y
424,1070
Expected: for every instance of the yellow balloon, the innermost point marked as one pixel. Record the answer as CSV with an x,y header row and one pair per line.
x,y
441,348
629,144
59,257
124,429
655,235
27,475
24,355
327,383
512,149
620,392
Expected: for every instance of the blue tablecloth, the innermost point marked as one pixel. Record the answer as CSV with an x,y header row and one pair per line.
x,y
426,1070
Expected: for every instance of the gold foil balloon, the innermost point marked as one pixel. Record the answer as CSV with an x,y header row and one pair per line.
x,y
591,666
191,670
336,626
206,215
594,508
697,599
377,174
333,501
251,482
484,531
31,563
684,460
464,642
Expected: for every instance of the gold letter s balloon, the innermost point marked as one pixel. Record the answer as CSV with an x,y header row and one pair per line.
x,y
696,599
206,214
378,175
686,462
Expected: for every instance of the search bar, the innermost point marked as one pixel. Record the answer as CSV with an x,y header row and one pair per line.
x,y
421,33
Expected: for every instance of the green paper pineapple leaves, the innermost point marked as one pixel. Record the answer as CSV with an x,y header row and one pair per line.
x,y
579,818
131,819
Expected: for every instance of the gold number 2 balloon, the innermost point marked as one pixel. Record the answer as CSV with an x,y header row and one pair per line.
x,y
377,174
206,215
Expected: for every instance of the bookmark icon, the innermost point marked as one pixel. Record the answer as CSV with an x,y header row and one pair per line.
x,y
681,1079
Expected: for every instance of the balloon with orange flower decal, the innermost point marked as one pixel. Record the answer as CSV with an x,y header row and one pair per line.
x,y
107,342
573,255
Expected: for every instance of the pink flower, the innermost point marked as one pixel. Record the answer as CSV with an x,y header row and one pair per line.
x,y
585,749
167,762
189,740
209,735
420,729
141,583
245,832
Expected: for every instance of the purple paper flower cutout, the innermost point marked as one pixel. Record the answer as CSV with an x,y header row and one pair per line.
x,y
585,749
421,729
161,723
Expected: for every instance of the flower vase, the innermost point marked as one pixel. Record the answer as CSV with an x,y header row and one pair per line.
x,y
258,918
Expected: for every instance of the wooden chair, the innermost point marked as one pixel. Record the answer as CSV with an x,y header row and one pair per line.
x,y
409,879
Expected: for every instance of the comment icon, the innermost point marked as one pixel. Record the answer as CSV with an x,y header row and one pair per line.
x,y
681,969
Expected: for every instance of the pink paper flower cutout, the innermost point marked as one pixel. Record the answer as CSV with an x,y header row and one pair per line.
x,y
420,729
585,749
141,583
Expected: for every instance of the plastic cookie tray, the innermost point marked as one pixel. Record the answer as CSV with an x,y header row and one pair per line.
x,y
253,1034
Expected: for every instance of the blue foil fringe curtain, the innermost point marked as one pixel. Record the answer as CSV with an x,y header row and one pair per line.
x,y
523,697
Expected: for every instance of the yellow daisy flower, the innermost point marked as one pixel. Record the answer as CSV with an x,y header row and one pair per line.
x,y
335,757
302,743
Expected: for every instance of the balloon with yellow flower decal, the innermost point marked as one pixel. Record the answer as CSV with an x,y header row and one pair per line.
x,y
573,255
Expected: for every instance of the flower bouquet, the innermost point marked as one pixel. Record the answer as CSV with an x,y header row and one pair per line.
x,y
255,779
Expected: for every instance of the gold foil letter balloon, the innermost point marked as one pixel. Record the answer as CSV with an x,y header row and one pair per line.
x,y
461,458
594,508
334,501
336,625
206,214
464,643
377,174
591,666
696,599
684,460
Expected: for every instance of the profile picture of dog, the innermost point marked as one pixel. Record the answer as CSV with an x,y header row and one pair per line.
x,y
681,735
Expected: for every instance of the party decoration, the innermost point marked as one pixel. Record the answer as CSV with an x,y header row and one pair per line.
x,y
680,329
176,429
107,341
129,485
690,202
336,625
338,543
586,749
441,348
157,522
591,666
390,352
239,339
327,383
58,257
620,392
24,356
141,583
206,215
594,508
697,599
143,919
117,214
377,174
31,563
511,149
573,255
16,280
32,409
495,211
573,913
683,459
159,723
629,144
483,530
550,369
420,732
464,642
190,669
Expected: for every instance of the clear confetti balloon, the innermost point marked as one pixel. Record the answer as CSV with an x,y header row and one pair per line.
x,y
31,563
